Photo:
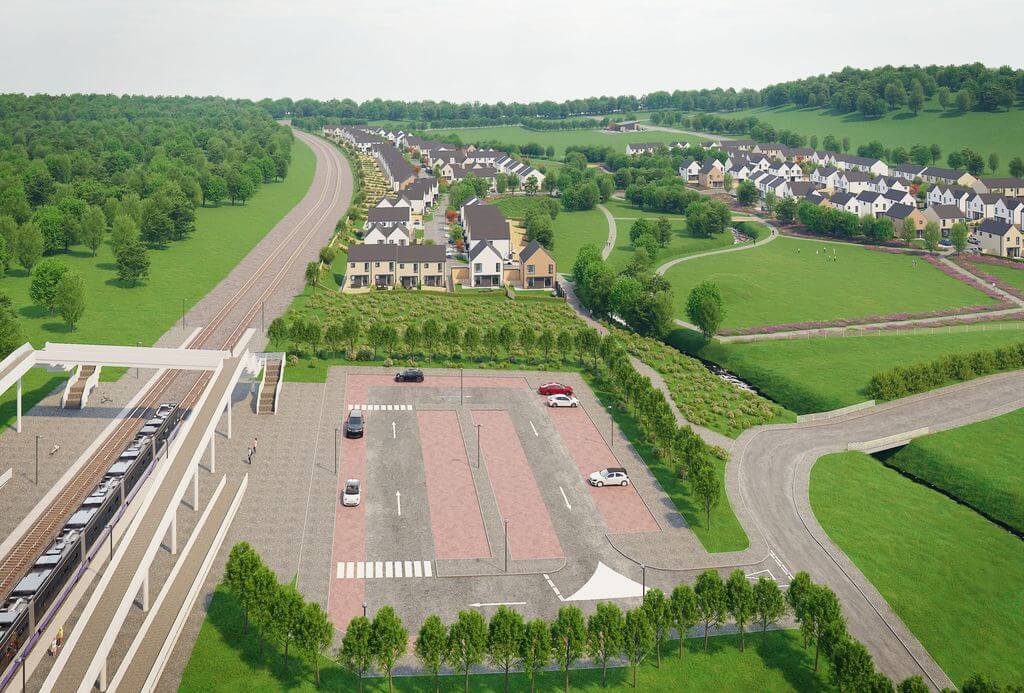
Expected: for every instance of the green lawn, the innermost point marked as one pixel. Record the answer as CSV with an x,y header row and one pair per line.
x,y
980,464
790,280
183,271
227,659
572,230
1001,132
682,243
1014,276
810,375
559,139
952,576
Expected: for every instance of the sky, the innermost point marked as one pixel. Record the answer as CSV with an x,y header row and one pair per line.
x,y
476,50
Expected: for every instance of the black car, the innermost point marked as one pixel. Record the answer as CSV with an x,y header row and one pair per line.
x,y
409,375
354,424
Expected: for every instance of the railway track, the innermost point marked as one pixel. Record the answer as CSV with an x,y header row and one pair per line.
x,y
43,531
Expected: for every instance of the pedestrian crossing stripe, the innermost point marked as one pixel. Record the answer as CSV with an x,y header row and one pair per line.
x,y
381,407
366,570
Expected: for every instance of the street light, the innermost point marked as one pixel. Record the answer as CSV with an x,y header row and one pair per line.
x,y
364,609
506,544
478,446
611,437
460,386
643,590
335,450
37,459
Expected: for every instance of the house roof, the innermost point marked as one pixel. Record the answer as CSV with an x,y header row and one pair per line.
x,y
868,195
485,223
894,194
388,214
947,211
856,176
841,198
1003,182
944,173
531,248
709,165
910,169
995,227
802,188
899,211
479,248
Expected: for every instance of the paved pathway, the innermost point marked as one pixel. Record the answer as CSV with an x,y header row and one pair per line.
x,y
609,245
434,229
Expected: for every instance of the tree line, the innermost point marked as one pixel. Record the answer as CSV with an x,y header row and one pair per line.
x,y
901,381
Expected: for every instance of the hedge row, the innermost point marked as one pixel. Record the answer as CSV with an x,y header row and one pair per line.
x,y
908,380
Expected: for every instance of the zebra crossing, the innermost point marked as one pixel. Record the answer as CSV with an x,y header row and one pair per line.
x,y
381,407
360,570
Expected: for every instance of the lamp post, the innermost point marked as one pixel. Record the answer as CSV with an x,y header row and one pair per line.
x,y
506,544
478,446
364,609
460,386
335,449
37,459
643,590
611,436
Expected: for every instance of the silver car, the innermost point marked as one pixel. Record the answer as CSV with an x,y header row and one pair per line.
x,y
350,496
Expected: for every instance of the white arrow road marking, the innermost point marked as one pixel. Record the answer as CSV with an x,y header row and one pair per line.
x,y
398,497
565,498
394,430
479,604
534,430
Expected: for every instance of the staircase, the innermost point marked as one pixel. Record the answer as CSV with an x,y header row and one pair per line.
x,y
76,394
270,386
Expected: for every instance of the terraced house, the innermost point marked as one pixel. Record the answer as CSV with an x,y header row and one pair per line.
x,y
388,266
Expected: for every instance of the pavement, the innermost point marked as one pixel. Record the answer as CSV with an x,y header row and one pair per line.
x,y
612,233
434,228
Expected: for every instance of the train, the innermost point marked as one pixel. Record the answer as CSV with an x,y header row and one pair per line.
x,y
25,609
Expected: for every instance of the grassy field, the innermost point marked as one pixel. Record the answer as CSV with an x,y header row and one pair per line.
x,y
559,139
1014,276
573,230
184,271
1001,132
952,576
979,464
225,658
810,375
790,280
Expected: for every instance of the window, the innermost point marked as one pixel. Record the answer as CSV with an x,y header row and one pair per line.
x,y
551,269
478,267
530,269
497,266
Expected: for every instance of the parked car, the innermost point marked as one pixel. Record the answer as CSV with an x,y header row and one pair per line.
x,y
554,389
350,495
354,424
409,375
946,242
613,476
563,401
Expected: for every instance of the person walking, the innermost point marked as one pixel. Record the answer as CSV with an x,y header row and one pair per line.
x,y
248,456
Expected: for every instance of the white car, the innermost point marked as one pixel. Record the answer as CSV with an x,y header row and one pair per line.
x,y
350,496
563,401
613,476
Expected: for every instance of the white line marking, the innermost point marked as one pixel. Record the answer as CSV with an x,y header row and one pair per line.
x,y
780,564
350,569
341,570
380,569
398,569
389,569
360,570
565,498
477,605
408,569
554,589
428,571
398,497
394,431
369,570
417,569
534,430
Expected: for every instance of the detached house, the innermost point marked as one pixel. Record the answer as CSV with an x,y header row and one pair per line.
x,y
996,237
1010,210
485,264
536,267
712,174
689,170
982,206
899,212
945,216
855,182
871,203
485,224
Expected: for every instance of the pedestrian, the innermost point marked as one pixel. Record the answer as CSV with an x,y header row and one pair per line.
x,y
52,651
255,442
60,636
248,455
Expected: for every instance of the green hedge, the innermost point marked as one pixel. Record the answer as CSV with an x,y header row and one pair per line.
x,y
908,380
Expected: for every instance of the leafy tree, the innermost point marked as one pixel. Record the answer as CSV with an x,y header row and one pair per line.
x,y
663,231
287,617
822,621
314,635
265,592
964,100
215,190
70,298
945,97
711,601
45,279
1016,167
539,228
639,227
132,262
11,335
123,232
29,246
958,235
746,193
658,615
637,638
471,338
852,667
568,638
993,161
356,651
504,635
908,230
9,232
740,600
467,643
785,210
412,338
705,308
239,575
312,275
157,227
683,612
431,646
707,487
913,684
915,100
388,640
769,604
931,235
535,645
94,225
936,151
604,636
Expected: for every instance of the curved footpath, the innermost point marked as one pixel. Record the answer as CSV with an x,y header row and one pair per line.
x,y
612,233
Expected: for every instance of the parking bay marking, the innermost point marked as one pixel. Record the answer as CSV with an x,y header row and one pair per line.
x,y
534,429
565,498
394,430
479,604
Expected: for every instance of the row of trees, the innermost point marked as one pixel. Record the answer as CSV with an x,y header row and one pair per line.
x,y
539,219
902,381
636,296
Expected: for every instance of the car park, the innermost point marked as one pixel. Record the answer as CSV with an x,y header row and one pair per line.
x,y
350,494
554,388
354,424
563,401
409,375
612,476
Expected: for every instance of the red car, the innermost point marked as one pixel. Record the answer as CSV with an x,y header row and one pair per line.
x,y
554,389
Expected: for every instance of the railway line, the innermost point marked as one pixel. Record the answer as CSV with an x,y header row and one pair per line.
x,y
43,531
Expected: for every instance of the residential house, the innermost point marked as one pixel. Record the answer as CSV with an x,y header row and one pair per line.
x,y
484,157
828,177
1013,187
536,266
864,164
945,216
948,176
462,210
799,189
782,169
854,182
845,202
396,169
387,235
485,224
950,195
624,126
712,174
899,197
908,172
996,237
636,148
689,170
485,264
982,206
772,150
871,203
884,184
739,169
1010,210
387,216
387,266
899,212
